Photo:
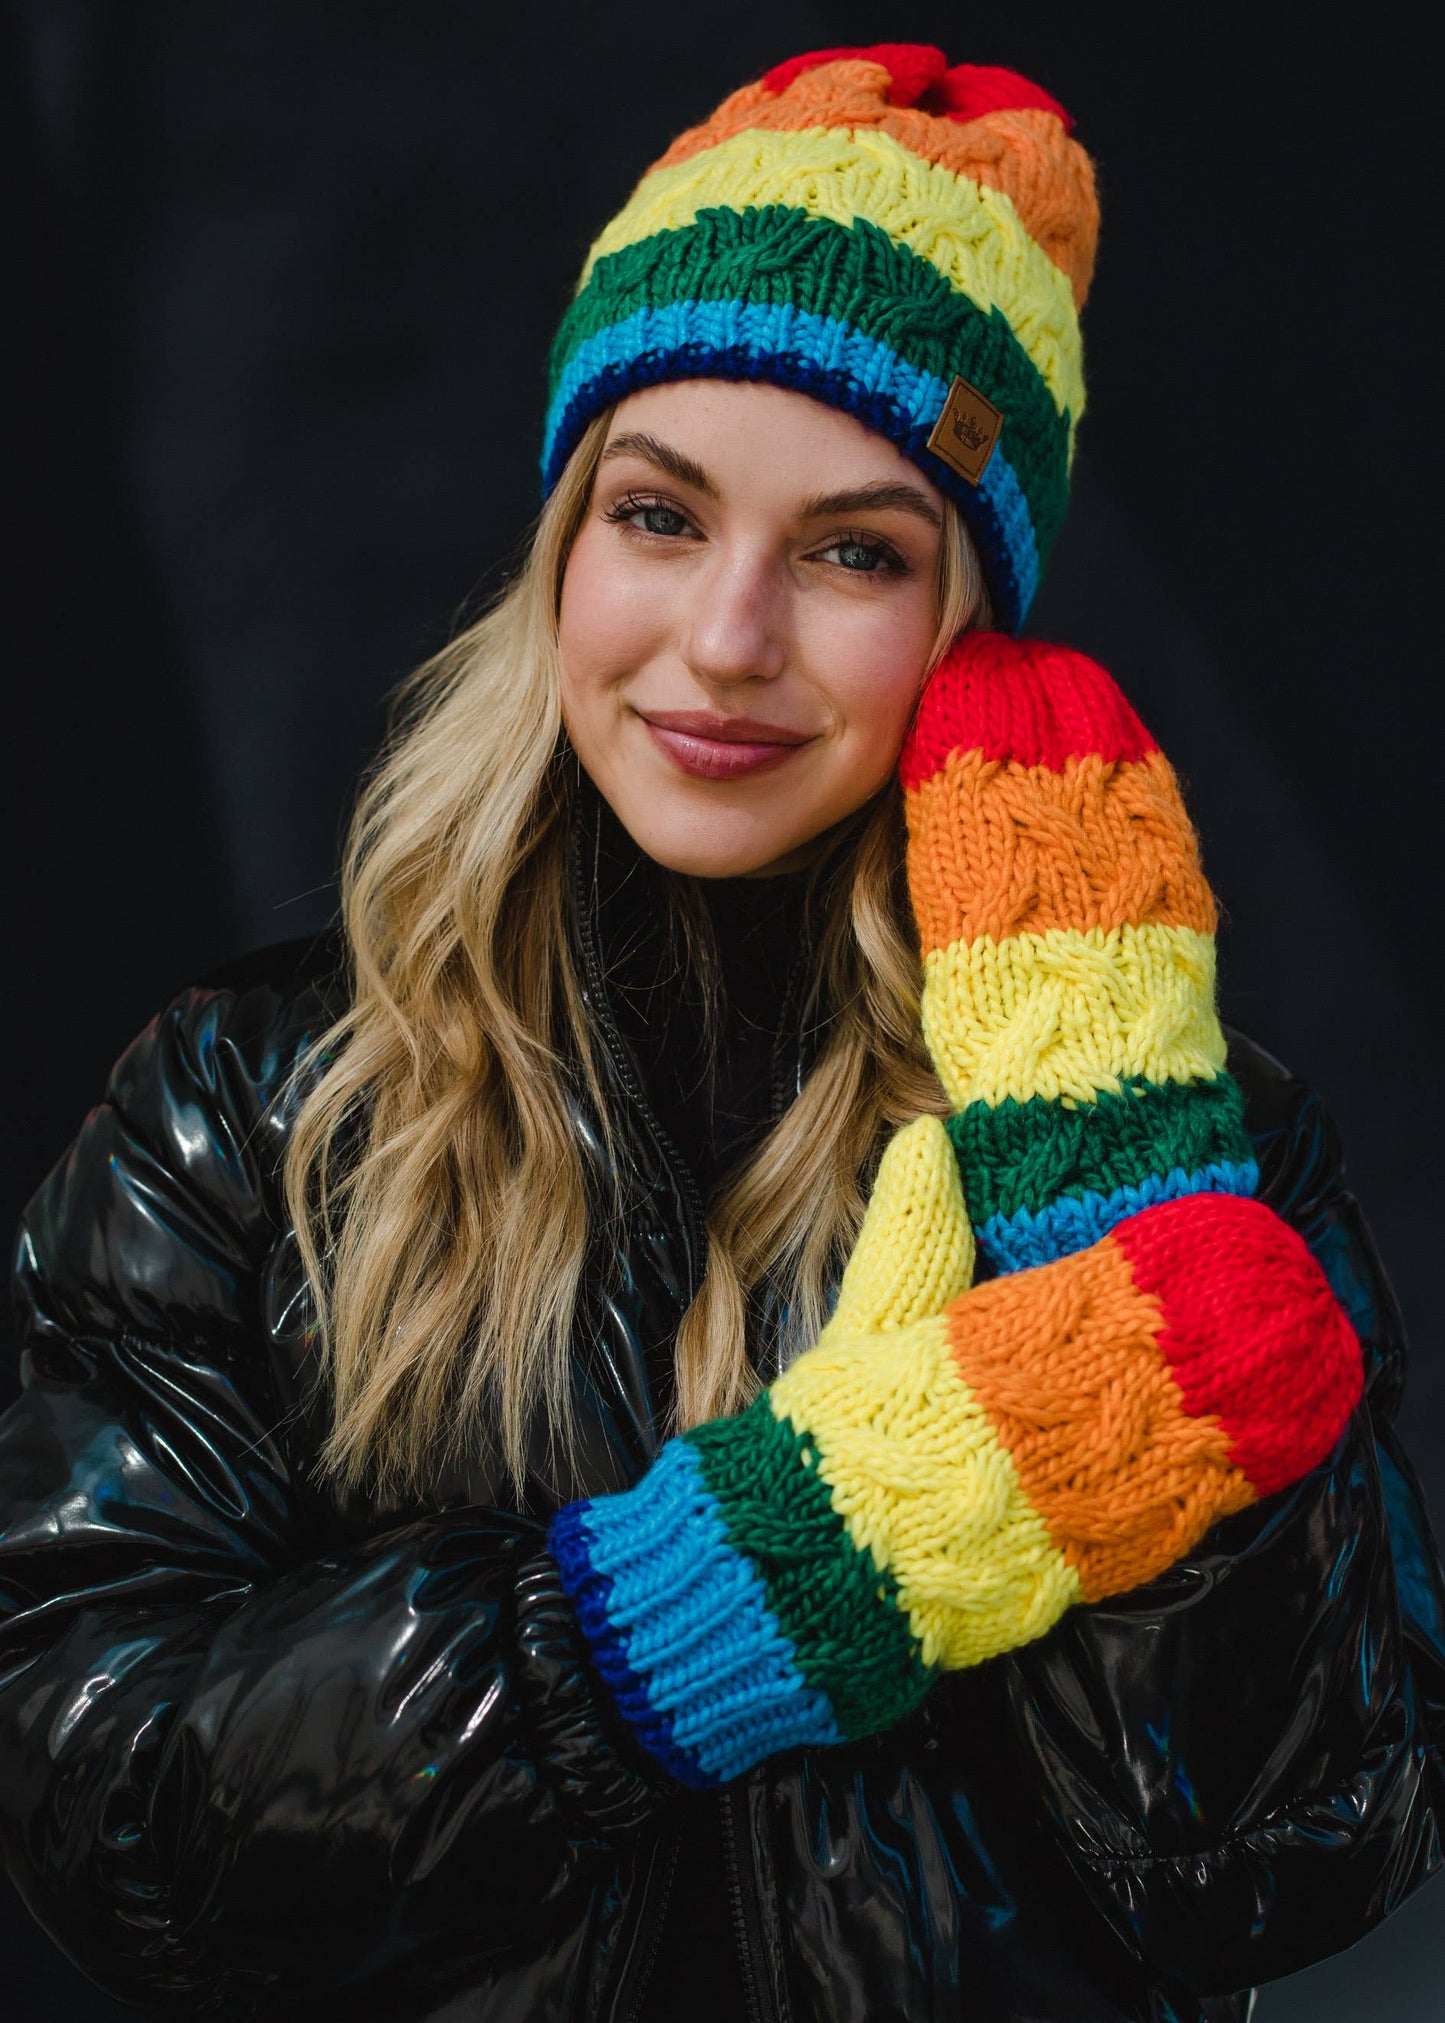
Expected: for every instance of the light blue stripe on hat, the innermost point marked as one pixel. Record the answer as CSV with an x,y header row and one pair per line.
x,y
775,331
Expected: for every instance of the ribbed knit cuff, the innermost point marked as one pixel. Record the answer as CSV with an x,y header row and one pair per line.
x,y
680,1626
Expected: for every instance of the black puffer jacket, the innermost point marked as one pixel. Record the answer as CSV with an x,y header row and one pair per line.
x,y
260,1756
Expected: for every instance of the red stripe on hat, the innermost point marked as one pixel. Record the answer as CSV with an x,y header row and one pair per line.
x,y
1020,700
913,66
922,77
969,90
1251,1329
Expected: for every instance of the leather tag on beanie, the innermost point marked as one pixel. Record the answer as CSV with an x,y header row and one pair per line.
x,y
967,432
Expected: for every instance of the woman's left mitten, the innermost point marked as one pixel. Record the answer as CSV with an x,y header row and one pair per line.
x,y
1067,933
939,1480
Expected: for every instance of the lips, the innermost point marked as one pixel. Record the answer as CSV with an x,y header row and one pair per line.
x,y
712,747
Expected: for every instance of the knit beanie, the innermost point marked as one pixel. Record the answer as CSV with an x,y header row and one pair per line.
x,y
903,239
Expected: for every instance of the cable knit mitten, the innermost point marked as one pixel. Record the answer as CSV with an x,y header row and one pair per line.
x,y
1068,942
950,1469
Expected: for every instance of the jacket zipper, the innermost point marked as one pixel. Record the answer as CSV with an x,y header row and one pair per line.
x,y
796,1000
633,1993
743,1881
745,1895
693,1211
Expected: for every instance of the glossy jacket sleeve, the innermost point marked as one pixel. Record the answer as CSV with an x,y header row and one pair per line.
x,y
1247,1753
241,1748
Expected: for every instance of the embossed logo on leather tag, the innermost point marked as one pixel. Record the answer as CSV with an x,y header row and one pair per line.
x,y
967,432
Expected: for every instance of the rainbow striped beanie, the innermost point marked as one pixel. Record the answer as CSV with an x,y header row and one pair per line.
x,y
903,239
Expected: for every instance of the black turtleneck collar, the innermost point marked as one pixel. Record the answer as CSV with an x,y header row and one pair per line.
x,y
715,1102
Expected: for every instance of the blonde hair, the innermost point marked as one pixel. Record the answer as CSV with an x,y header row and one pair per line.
x,y
433,1173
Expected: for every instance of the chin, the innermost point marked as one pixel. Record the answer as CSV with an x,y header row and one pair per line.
x,y
714,846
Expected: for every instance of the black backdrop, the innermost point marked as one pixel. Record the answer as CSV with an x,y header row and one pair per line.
x,y
287,272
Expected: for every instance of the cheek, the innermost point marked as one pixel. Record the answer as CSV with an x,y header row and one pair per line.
x,y
872,674
879,707
605,628
610,626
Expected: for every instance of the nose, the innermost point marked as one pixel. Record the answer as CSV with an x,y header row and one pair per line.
x,y
734,621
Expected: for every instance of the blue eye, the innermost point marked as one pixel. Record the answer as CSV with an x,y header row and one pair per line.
x,y
863,558
659,519
649,516
858,555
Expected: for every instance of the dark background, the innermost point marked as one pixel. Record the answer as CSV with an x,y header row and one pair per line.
x,y
286,275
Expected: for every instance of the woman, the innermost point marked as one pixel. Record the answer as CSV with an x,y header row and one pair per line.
x,y
492,1529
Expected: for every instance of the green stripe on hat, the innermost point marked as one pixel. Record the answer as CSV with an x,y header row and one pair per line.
x,y
859,276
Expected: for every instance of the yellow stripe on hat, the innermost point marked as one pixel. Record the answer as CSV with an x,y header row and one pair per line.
x,y
972,236
917,1471
1071,1012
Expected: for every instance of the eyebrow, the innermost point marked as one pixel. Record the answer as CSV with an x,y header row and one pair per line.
x,y
653,450
883,495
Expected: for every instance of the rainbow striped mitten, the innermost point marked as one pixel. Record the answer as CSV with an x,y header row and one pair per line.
x,y
1068,942
949,1469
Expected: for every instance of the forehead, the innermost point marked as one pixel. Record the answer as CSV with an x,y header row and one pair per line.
x,y
759,440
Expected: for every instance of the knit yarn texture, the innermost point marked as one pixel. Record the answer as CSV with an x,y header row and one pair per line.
x,y
864,226
955,1465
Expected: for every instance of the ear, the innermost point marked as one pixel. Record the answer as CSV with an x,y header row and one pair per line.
x,y
914,1253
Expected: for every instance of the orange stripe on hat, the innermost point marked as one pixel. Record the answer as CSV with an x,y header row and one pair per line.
x,y
1019,147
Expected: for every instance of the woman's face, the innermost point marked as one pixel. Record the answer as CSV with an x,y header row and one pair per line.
x,y
745,622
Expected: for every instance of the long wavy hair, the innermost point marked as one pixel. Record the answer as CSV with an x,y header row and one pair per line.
x,y
434,1175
